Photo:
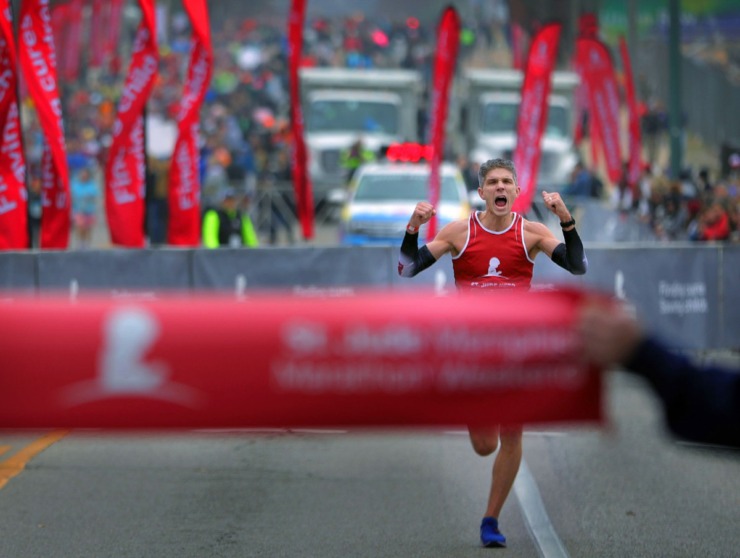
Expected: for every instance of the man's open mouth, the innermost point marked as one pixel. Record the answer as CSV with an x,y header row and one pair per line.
x,y
500,201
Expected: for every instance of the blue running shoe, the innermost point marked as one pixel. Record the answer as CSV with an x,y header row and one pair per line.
x,y
490,536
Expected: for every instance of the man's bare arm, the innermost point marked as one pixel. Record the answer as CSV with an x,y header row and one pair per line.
x,y
412,260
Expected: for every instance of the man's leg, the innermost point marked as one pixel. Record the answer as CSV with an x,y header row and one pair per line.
x,y
505,468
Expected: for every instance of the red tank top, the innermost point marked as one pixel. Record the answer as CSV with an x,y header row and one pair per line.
x,y
493,259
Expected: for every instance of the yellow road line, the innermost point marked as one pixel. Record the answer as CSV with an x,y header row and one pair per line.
x,y
16,463
4,449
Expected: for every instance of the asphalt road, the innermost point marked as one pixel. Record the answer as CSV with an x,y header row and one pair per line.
x,y
625,489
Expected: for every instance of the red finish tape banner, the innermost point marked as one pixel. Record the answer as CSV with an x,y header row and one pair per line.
x,y
370,360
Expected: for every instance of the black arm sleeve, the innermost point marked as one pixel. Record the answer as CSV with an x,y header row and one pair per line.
x,y
412,259
571,256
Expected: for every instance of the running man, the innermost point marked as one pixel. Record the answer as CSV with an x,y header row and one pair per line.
x,y
494,249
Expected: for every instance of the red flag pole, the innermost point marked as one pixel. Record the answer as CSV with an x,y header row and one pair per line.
x,y
301,178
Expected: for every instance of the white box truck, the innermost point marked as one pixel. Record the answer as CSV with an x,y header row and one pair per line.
x,y
342,105
491,101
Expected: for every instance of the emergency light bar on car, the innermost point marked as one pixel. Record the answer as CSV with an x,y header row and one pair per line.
x,y
408,152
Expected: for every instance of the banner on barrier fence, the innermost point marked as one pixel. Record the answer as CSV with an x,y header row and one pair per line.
x,y
18,272
729,301
115,271
674,292
374,359
294,268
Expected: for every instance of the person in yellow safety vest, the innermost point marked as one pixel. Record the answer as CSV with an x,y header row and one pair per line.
x,y
228,226
354,156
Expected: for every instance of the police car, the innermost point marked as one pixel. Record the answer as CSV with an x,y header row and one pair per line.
x,y
383,196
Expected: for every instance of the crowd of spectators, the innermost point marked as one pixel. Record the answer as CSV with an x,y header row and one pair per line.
x,y
692,207
245,127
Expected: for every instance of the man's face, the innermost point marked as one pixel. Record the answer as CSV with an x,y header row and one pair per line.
x,y
499,191
229,203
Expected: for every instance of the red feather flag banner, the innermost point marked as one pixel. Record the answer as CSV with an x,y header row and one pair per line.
x,y
580,108
596,145
61,24
301,179
183,227
113,34
634,164
98,30
125,166
533,110
448,42
67,25
517,40
588,26
38,62
13,195
275,360
595,62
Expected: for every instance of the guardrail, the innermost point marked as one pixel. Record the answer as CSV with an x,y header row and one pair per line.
x,y
687,292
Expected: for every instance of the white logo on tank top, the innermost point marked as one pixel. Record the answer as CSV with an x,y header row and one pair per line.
x,y
493,268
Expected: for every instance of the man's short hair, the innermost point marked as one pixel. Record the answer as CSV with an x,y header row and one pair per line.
x,y
491,164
